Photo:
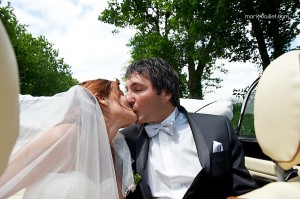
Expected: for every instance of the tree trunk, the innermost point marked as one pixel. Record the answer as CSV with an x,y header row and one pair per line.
x,y
262,48
278,41
195,78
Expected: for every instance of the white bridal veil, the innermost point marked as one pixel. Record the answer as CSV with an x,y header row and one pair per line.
x,y
62,150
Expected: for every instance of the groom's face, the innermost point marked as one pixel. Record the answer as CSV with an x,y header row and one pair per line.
x,y
144,100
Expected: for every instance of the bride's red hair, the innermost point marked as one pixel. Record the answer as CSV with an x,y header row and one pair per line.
x,y
103,88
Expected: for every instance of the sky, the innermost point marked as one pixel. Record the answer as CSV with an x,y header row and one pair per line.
x,y
90,47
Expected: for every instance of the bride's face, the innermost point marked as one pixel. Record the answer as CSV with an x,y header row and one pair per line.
x,y
129,116
121,111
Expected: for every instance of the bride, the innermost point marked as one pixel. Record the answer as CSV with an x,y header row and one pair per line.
x,y
65,148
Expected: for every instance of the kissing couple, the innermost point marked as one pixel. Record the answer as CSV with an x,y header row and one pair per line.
x,y
92,141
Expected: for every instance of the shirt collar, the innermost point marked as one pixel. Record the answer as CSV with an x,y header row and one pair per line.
x,y
172,116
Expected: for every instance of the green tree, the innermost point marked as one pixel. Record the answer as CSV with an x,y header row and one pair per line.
x,y
257,31
41,71
172,30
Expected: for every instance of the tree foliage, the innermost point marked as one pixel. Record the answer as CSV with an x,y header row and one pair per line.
x,y
169,29
257,31
194,33
41,71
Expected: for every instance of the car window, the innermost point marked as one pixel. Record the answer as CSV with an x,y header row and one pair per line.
x,y
247,123
246,120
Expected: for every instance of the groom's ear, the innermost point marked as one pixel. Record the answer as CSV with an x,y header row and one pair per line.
x,y
167,95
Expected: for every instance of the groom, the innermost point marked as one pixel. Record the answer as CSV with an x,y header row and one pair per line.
x,y
179,154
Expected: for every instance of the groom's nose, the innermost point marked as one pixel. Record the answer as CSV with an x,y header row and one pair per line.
x,y
130,99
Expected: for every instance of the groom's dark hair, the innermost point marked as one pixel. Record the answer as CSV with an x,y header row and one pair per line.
x,y
160,73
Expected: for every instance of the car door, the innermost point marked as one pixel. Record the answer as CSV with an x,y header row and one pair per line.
x,y
260,166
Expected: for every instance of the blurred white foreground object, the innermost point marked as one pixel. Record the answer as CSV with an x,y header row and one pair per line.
x,y
9,101
208,107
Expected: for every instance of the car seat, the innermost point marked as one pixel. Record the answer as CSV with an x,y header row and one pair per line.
x,y
277,124
9,102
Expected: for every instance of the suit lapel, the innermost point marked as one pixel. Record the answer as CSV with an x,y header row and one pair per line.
x,y
142,149
203,152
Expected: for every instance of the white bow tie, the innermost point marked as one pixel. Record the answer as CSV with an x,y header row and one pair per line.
x,y
153,129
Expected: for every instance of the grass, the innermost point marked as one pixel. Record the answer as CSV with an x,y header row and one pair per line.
x,y
247,127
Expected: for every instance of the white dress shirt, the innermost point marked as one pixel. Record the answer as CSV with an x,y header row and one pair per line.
x,y
173,162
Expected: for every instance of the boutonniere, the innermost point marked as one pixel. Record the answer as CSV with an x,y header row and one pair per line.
x,y
137,178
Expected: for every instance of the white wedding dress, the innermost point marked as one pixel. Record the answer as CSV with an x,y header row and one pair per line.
x,y
63,151
68,185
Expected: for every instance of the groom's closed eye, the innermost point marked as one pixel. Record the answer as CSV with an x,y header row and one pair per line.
x,y
138,90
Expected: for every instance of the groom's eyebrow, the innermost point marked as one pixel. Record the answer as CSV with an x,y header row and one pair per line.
x,y
134,84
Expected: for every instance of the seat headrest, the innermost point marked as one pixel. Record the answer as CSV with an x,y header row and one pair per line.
x,y
9,101
277,110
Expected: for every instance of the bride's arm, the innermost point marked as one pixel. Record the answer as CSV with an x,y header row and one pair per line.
x,y
119,184
50,148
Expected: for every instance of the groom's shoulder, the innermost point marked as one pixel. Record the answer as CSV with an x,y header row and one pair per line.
x,y
204,118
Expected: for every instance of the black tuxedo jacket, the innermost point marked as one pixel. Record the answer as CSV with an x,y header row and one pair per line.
x,y
223,173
